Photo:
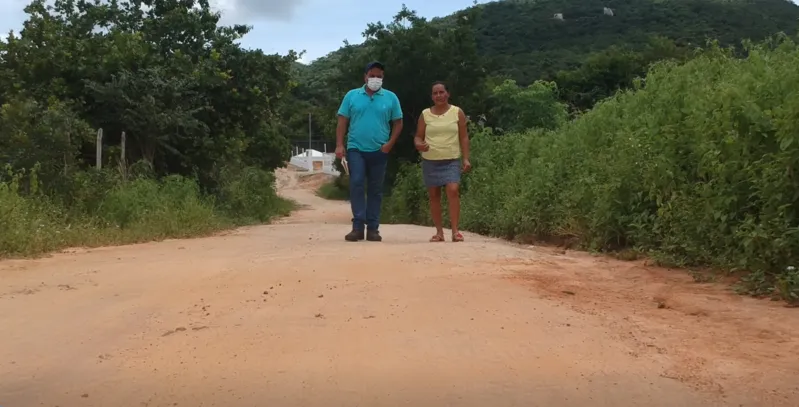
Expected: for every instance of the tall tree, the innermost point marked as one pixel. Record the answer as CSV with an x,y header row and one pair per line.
x,y
162,71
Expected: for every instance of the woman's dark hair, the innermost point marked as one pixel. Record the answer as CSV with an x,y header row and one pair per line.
x,y
440,83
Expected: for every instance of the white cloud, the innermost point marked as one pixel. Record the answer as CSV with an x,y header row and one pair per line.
x,y
248,10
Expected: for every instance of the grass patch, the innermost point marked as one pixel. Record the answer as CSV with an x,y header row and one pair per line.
x,y
333,190
124,212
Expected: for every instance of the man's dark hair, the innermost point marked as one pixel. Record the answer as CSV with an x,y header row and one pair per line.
x,y
375,64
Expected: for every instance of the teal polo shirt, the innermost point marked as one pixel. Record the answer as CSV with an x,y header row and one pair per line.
x,y
370,117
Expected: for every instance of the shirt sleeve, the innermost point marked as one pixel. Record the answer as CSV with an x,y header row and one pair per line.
x,y
344,109
396,111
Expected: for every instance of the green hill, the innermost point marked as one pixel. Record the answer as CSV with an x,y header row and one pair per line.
x,y
524,40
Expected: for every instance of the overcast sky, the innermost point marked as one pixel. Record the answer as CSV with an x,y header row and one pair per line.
x,y
317,26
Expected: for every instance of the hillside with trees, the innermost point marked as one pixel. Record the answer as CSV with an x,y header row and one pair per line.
x,y
522,40
590,53
606,130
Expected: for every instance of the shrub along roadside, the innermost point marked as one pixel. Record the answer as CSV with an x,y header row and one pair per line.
x,y
336,189
123,212
698,168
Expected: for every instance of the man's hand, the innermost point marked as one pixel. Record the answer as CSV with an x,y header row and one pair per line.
x,y
339,152
421,145
467,165
386,148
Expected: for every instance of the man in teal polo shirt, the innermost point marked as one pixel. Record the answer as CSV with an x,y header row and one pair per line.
x,y
371,118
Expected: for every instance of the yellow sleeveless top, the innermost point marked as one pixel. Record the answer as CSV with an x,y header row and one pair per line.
x,y
441,134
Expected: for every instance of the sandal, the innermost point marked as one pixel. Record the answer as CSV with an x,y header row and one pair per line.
x,y
457,237
437,238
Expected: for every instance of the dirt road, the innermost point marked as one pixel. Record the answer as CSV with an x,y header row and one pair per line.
x,y
292,315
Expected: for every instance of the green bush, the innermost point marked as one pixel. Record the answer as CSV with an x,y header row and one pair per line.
x,y
95,208
698,167
334,190
248,196
408,202
28,225
171,207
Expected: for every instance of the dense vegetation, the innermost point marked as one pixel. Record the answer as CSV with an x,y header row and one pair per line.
x,y
604,132
196,110
614,135
697,168
589,54
521,39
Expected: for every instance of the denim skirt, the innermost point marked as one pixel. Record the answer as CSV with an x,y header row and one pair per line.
x,y
438,173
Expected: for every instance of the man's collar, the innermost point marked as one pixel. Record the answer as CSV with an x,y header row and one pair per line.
x,y
379,91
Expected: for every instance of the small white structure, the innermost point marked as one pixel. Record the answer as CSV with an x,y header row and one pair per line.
x,y
314,161
558,16
312,153
608,12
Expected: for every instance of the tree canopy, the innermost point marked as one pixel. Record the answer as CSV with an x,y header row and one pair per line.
x,y
164,72
502,58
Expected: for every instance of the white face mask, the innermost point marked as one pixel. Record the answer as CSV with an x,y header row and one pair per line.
x,y
374,84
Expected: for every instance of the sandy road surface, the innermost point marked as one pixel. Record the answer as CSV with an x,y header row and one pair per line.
x,y
292,315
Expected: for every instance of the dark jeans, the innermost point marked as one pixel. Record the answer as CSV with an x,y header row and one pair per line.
x,y
367,173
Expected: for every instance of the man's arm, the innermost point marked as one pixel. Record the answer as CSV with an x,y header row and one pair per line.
x,y
343,121
396,129
396,122
341,130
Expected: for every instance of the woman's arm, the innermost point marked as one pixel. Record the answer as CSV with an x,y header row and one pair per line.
x,y
418,139
463,135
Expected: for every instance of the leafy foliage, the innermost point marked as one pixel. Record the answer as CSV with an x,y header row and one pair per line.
x,y
199,114
523,108
162,71
333,191
697,167
603,73
691,164
106,209
589,55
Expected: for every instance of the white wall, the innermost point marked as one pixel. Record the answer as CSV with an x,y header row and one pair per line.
x,y
302,160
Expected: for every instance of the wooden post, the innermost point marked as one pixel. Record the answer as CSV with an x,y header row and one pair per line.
x,y
122,157
99,153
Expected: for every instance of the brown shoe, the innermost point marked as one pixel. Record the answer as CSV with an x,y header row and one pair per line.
x,y
373,236
354,236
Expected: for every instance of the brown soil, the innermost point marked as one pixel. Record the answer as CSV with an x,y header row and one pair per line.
x,y
291,315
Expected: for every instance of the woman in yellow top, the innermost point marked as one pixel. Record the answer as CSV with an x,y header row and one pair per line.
x,y
443,141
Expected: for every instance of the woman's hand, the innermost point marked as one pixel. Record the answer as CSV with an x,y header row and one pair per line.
x,y
421,145
467,165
